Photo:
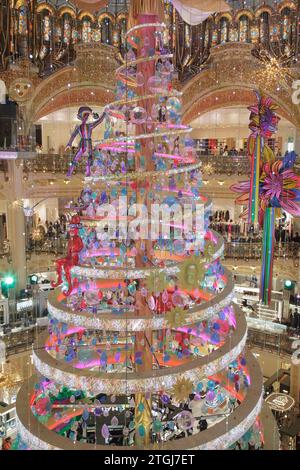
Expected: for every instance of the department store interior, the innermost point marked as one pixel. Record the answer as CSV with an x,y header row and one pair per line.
x,y
104,342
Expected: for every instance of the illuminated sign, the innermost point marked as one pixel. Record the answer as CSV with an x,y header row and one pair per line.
x,y
280,402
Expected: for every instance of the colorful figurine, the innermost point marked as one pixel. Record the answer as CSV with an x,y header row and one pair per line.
x,y
75,245
84,130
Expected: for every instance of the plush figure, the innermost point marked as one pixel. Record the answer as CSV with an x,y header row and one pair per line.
x,y
75,245
84,130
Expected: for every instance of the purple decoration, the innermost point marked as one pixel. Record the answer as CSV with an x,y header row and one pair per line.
x,y
210,396
105,431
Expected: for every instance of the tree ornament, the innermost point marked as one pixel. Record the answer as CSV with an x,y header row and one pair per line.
x,y
176,317
182,389
192,272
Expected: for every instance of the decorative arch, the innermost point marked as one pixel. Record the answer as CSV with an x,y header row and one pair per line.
x,y
286,4
231,96
245,12
20,3
78,96
69,10
264,9
111,17
88,14
232,81
45,6
223,15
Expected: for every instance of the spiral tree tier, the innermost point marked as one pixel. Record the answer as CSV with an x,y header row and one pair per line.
x,y
145,348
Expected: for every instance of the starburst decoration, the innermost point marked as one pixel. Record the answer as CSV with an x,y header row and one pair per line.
x,y
156,282
208,169
208,250
191,273
182,389
176,317
276,69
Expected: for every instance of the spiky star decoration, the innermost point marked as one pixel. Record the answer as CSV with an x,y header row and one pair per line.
x,y
156,282
176,317
276,68
182,389
191,273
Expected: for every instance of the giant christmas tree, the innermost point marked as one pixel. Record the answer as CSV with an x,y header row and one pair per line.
x,y
145,347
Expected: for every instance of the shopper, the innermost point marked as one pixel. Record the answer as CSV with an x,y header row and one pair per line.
x,y
225,153
7,443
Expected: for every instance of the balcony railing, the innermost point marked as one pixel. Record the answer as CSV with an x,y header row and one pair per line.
x,y
253,250
211,165
53,163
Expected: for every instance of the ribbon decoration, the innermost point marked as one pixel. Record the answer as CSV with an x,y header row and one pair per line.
x,y
279,188
263,123
272,187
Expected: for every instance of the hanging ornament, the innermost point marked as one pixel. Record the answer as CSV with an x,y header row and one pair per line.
x,y
191,273
165,297
182,389
151,303
140,79
114,421
185,420
138,115
105,431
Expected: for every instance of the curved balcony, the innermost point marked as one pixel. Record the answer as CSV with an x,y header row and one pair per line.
x,y
51,44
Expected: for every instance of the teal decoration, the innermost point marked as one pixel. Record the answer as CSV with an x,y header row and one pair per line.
x,y
211,384
141,430
141,407
157,425
131,288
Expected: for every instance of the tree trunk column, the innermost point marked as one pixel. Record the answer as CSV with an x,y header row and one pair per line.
x,y
143,339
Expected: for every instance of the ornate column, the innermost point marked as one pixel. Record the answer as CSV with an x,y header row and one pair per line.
x,y
16,223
